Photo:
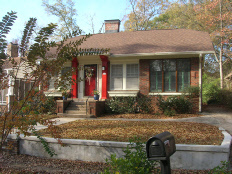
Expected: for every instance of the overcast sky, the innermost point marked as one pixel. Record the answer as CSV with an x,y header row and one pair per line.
x,y
100,10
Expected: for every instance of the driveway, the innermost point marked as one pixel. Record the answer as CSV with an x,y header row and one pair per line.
x,y
214,115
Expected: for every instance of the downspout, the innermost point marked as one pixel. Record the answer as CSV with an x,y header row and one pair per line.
x,y
200,82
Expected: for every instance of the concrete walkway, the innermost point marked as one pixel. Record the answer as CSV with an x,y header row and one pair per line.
x,y
58,121
213,115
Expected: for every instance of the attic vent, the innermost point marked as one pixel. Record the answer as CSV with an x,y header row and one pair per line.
x,y
112,26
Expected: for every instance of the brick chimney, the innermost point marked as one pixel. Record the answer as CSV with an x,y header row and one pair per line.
x,y
112,26
12,50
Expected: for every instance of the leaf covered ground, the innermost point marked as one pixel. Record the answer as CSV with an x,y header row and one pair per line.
x,y
24,164
120,130
148,116
191,133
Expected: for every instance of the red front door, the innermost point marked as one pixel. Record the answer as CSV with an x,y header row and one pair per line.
x,y
90,79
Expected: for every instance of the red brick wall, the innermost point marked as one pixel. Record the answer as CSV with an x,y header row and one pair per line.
x,y
144,84
111,26
194,72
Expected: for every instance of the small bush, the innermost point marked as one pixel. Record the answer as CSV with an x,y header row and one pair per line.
x,y
181,105
191,91
144,104
123,105
164,104
223,168
169,113
134,161
210,89
49,105
172,105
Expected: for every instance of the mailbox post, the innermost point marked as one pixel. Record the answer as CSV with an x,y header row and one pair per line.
x,y
161,147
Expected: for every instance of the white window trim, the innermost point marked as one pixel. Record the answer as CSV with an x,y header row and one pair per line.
x,y
167,93
124,75
123,93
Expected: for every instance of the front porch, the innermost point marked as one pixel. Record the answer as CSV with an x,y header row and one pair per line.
x,y
80,108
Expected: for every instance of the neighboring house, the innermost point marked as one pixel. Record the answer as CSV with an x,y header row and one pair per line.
x,y
17,88
148,62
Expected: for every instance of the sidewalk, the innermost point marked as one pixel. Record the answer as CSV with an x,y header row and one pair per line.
x,y
58,121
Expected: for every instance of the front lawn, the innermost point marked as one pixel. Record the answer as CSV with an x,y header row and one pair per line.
x,y
118,130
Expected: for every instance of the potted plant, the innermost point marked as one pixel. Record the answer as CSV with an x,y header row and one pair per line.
x,y
65,95
96,94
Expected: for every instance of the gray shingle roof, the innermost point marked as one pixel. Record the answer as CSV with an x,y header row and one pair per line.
x,y
151,41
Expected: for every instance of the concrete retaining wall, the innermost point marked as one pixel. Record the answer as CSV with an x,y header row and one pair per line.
x,y
186,157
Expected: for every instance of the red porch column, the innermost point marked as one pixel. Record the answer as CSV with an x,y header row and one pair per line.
x,y
105,61
75,77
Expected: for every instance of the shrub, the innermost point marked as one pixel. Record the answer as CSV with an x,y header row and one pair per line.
x,y
181,105
172,105
123,105
49,105
144,104
223,168
134,161
191,91
169,113
213,94
210,89
164,105
39,104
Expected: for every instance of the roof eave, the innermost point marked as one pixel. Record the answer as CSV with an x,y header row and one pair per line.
x,y
164,53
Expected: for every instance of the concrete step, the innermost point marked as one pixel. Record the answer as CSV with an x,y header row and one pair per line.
x,y
77,103
75,112
76,108
83,99
75,115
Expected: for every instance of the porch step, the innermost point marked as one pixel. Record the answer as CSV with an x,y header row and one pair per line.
x,y
75,115
76,109
75,112
83,99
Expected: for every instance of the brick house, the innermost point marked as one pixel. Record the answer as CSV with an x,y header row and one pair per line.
x,y
148,62
153,62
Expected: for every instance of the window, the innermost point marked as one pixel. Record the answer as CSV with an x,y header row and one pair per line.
x,y
116,77
3,94
171,75
132,75
124,77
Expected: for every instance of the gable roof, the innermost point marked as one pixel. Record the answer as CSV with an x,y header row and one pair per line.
x,y
150,41
8,63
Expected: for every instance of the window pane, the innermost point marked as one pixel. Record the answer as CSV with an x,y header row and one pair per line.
x,y
183,67
156,76
170,75
3,94
65,72
116,77
132,76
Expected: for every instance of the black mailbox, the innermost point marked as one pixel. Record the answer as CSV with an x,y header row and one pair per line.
x,y
161,146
